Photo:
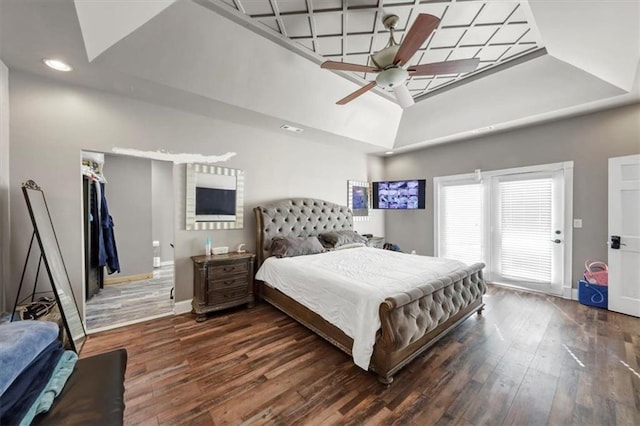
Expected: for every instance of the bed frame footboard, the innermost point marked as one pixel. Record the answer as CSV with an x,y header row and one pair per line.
x,y
411,322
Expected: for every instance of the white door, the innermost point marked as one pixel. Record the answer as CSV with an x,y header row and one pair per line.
x,y
527,235
624,235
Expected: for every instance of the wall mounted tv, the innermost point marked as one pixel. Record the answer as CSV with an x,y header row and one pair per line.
x,y
399,194
215,198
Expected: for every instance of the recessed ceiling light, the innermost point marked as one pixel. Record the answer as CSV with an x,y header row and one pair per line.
x,y
484,129
291,128
389,152
57,65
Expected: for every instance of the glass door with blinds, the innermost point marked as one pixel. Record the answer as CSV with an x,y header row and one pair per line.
x,y
460,228
527,230
512,220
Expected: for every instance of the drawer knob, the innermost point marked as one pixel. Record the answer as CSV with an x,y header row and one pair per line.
x,y
229,268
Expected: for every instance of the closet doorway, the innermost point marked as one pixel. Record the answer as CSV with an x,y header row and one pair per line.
x,y
128,210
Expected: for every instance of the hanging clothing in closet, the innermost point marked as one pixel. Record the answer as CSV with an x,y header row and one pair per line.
x,y
94,277
107,252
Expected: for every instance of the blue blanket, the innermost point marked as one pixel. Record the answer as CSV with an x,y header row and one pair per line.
x,y
26,388
20,343
53,388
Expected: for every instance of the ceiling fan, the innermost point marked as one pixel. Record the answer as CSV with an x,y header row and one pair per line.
x,y
389,61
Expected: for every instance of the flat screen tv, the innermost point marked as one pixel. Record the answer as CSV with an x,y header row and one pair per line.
x,y
213,204
399,194
215,198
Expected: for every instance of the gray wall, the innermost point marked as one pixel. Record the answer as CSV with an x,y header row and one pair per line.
x,y
52,123
162,217
128,192
5,229
588,141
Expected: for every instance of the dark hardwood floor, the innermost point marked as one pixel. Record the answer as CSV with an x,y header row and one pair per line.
x,y
528,359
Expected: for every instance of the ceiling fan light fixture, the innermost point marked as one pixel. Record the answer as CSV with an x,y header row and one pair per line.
x,y
384,57
391,77
391,62
403,96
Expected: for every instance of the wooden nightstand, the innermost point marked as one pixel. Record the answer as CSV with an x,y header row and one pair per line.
x,y
221,281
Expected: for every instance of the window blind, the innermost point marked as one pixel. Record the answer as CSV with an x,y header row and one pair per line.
x,y
460,222
525,229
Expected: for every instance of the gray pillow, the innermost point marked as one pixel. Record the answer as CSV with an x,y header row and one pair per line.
x,y
340,238
295,246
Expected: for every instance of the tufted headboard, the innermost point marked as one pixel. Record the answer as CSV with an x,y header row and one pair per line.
x,y
297,217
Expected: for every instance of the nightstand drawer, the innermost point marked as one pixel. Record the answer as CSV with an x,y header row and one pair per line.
x,y
227,296
222,283
232,268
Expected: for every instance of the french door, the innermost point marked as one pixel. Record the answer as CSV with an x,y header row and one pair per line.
x,y
515,221
527,238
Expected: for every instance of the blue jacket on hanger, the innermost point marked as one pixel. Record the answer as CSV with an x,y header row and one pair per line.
x,y
107,252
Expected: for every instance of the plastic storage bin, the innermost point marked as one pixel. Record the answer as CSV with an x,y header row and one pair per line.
x,y
593,294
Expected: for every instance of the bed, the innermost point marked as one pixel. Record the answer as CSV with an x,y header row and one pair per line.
x,y
409,316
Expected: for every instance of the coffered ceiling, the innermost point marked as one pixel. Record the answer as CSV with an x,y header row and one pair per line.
x,y
257,62
351,31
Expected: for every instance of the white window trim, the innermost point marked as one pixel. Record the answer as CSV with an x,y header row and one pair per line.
x,y
566,166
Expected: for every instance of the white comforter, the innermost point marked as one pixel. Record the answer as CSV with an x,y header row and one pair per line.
x,y
346,287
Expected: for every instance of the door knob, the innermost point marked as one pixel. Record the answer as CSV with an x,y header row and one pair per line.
x,y
557,241
615,242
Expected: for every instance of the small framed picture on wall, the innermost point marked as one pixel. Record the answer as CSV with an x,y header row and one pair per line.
x,y
359,199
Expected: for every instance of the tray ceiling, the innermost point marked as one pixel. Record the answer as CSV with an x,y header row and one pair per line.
x,y
350,31
169,53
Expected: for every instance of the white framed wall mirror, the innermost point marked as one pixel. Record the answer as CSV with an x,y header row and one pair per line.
x,y
214,197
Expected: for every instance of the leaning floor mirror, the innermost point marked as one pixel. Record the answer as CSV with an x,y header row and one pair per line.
x,y
56,269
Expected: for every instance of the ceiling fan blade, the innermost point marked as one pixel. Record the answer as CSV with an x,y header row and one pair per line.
x,y
344,66
357,93
447,67
422,27
403,96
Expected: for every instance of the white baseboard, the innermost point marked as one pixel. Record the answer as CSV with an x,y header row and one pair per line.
x,y
166,263
182,307
569,293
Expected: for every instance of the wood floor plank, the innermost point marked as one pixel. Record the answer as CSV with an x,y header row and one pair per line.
x,y
530,405
491,404
130,301
528,359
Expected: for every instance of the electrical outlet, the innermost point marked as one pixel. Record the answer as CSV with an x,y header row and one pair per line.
x,y
577,223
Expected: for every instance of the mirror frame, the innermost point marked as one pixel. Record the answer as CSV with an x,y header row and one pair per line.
x,y
193,169
54,264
